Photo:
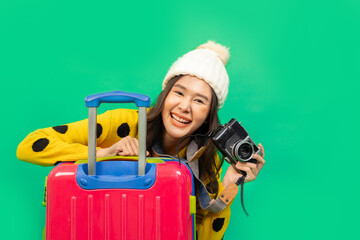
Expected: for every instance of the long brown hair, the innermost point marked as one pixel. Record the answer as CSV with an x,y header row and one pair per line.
x,y
208,167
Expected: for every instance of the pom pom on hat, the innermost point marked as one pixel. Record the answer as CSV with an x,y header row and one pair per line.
x,y
222,51
206,62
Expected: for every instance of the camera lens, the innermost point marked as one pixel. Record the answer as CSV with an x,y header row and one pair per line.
x,y
244,151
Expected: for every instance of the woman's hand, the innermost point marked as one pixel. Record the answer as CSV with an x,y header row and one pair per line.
x,y
127,146
252,169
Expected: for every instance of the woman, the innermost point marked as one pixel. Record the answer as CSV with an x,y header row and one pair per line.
x,y
193,90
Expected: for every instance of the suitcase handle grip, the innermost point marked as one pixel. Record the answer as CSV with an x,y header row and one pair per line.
x,y
93,102
117,97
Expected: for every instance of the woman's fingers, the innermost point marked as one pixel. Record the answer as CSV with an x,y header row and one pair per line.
x,y
135,145
121,148
260,161
250,165
128,146
262,149
131,145
250,169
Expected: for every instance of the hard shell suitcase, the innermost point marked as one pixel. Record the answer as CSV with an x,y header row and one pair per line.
x,y
120,198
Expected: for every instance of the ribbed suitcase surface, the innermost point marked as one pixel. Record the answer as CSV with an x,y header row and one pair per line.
x,y
154,206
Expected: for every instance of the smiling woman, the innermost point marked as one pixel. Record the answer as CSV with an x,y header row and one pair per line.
x,y
186,108
194,89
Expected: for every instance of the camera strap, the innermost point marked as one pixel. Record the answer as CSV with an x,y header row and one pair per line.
x,y
193,152
241,182
223,199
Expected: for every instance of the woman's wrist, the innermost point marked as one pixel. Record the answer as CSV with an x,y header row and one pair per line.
x,y
225,182
100,153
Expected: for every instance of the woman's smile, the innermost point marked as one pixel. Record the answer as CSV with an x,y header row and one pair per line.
x,y
179,121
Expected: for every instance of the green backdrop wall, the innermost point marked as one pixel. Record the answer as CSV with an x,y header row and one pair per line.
x,y
294,83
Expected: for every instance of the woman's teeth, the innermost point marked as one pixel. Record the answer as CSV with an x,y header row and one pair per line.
x,y
179,119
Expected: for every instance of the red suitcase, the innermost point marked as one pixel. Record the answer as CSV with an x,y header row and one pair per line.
x,y
120,198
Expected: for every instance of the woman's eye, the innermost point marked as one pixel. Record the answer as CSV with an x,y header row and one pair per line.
x,y
199,101
179,93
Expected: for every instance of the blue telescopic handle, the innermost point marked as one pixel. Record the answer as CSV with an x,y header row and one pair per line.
x,y
117,97
93,102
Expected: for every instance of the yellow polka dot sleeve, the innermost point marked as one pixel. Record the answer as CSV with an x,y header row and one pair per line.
x,y
69,142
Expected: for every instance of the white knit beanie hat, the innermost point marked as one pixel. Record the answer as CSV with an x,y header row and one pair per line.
x,y
206,62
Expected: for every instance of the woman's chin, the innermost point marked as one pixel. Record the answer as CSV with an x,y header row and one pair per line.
x,y
177,135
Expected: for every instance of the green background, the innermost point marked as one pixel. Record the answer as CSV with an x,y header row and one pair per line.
x,y
294,83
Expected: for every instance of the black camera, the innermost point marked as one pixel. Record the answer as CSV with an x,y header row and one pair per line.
x,y
234,142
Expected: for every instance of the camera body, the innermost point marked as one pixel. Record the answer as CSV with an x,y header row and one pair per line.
x,y
234,143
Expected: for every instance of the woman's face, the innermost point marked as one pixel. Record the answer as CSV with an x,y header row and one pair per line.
x,y
186,107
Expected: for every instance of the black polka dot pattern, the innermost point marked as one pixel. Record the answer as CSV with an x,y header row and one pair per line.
x,y
123,130
61,129
218,223
40,144
99,130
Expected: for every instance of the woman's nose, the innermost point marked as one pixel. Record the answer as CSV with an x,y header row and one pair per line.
x,y
185,105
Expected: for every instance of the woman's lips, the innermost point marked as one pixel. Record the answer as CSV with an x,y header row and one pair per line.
x,y
179,121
